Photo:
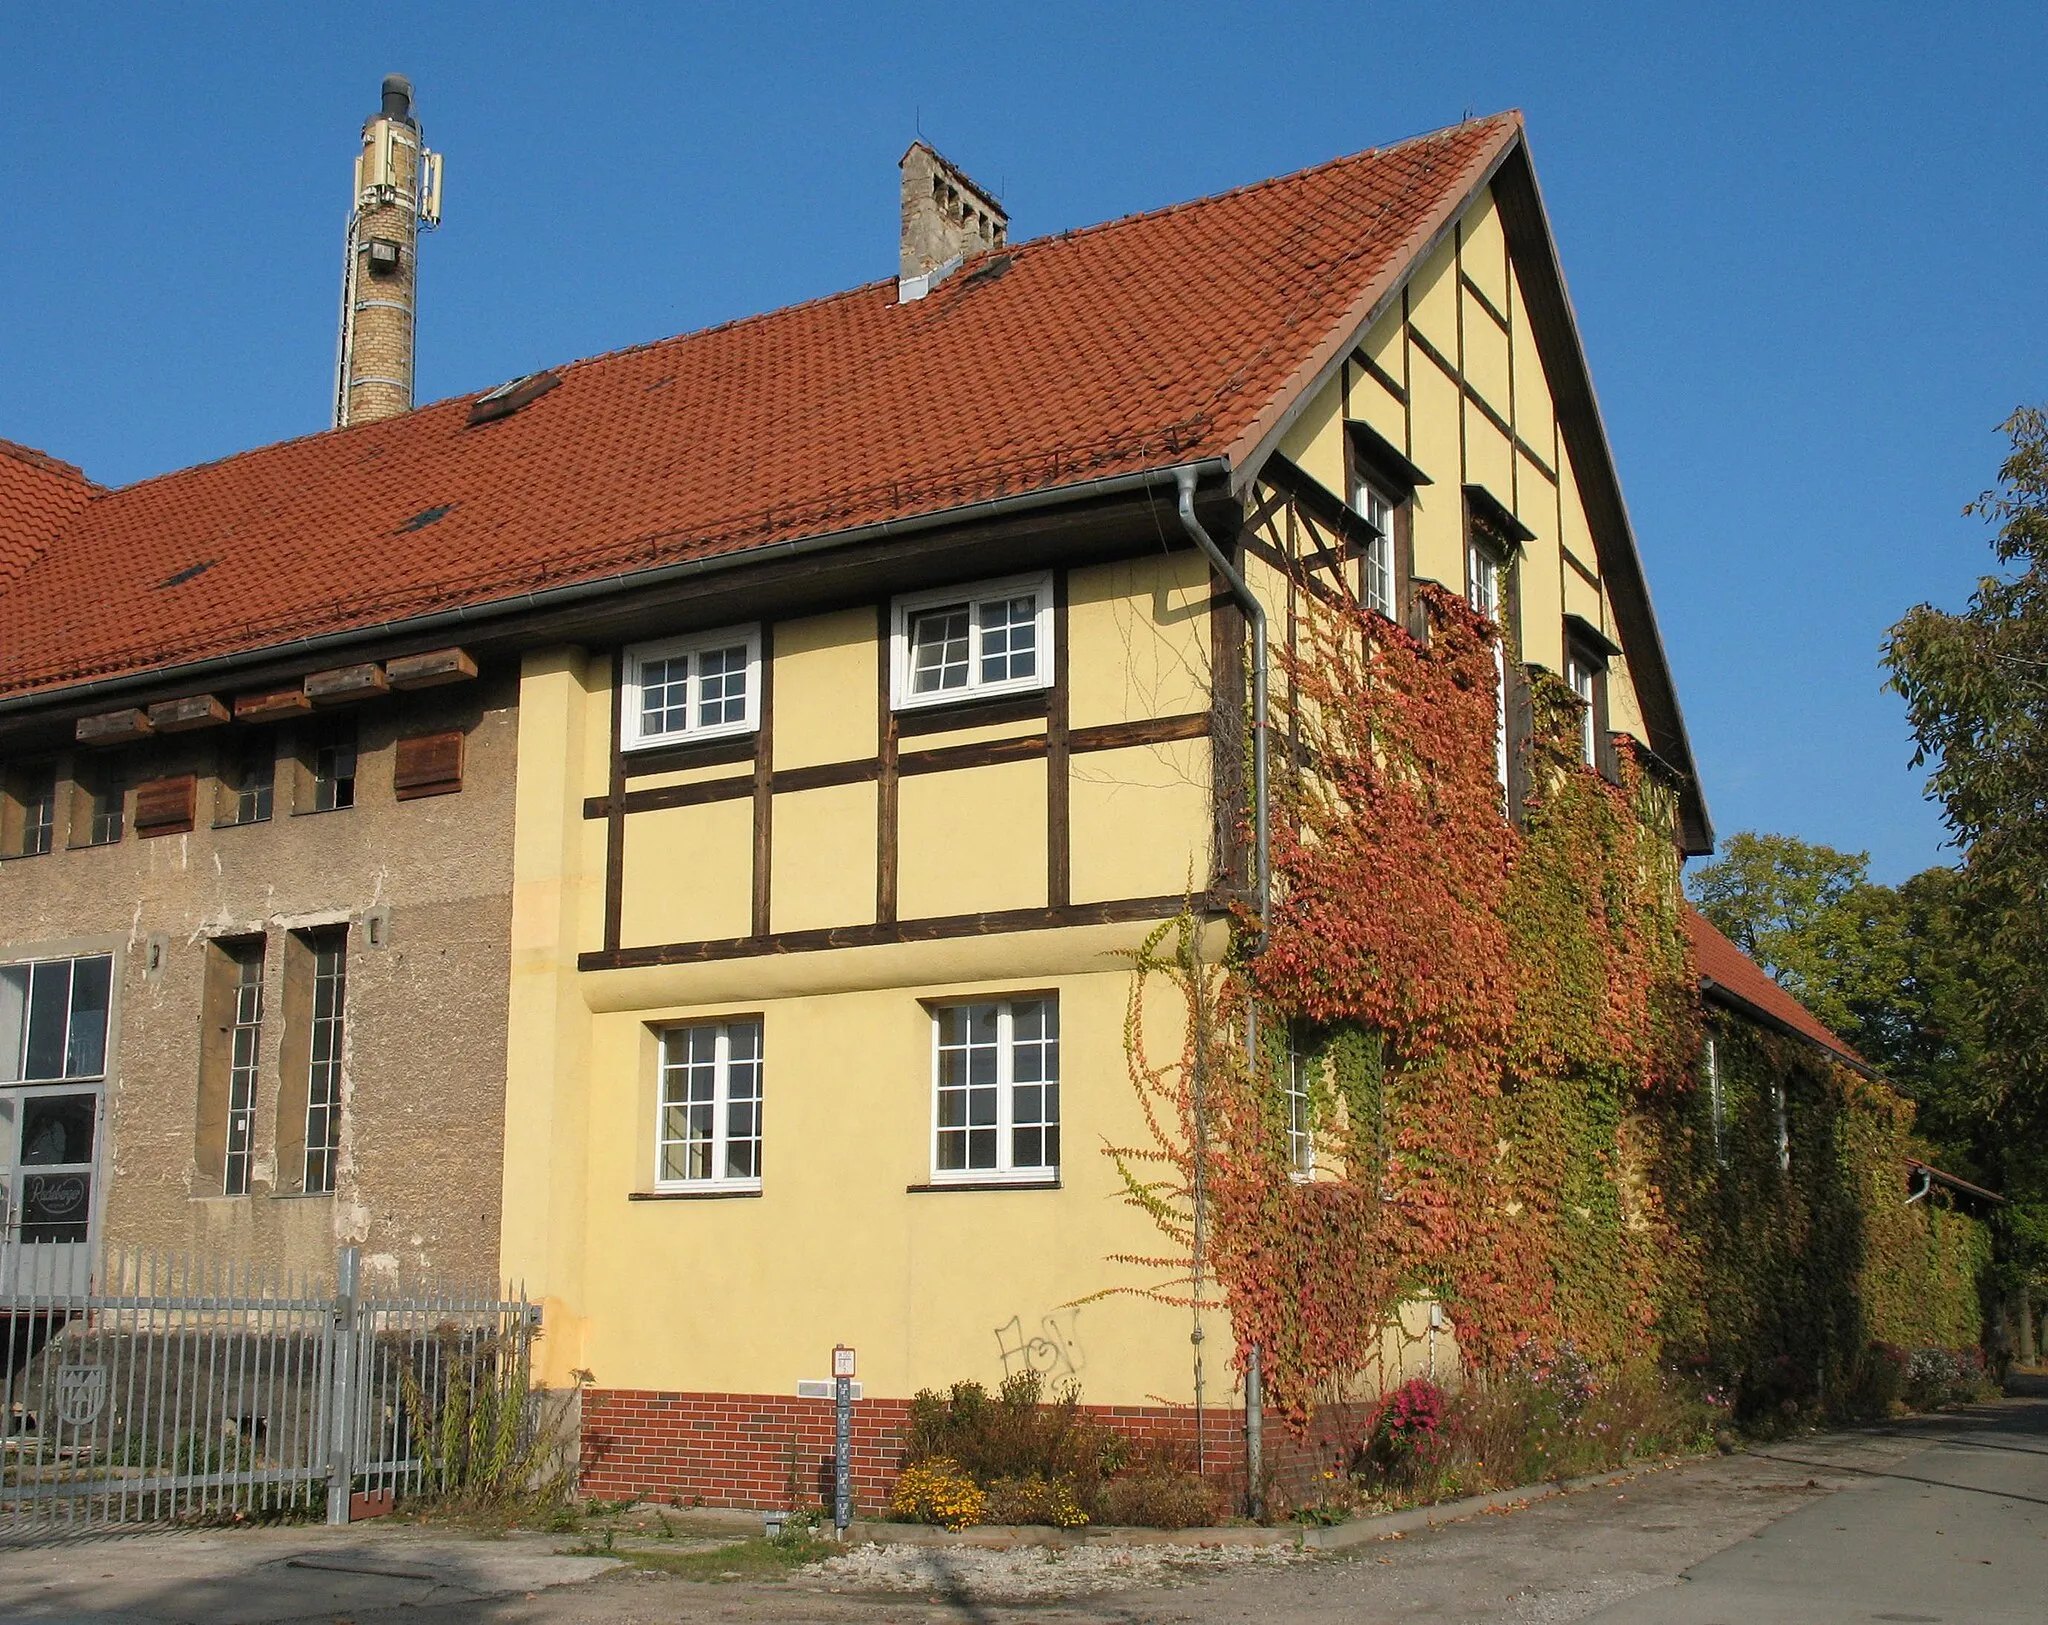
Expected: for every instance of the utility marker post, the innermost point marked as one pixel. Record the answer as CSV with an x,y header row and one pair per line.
x,y
341,1384
842,1438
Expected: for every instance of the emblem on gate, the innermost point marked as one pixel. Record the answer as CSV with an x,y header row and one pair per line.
x,y
81,1393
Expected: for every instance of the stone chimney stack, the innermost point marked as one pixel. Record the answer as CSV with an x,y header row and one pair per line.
x,y
946,217
397,196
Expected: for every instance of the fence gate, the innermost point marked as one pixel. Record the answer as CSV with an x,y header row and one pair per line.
x,y
148,1388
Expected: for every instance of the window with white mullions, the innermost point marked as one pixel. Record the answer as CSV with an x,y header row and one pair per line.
x,y
1301,1140
1483,579
996,1090
245,1042
1582,678
1009,639
706,686
722,686
708,1134
961,644
665,696
939,659
1376,567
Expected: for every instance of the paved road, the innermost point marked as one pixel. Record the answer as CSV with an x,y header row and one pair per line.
x,y
1938,1520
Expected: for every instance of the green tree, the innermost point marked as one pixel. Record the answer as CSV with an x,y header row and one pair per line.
x,y
1811,917
1890,970
1976,691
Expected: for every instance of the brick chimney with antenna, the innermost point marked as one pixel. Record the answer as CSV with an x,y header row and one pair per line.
x,y
397,196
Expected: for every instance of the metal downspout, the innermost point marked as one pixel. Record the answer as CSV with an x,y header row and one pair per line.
x,y
1255,613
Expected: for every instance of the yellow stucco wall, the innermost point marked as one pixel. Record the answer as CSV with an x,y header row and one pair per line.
x,y
1448,427
748,1293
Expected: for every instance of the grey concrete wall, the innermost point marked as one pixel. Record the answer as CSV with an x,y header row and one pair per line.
x,y
420,1167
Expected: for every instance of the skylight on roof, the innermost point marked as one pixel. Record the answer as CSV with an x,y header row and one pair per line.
x,y
508,398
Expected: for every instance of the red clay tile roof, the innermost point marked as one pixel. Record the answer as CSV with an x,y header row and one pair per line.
x,y
1147,342
38,497
1740,978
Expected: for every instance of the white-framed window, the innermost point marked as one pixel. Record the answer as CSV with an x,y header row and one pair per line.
x,y
1482,578
708,1120
1376,568
1585,677
1485,588
996,1090
965,642
1301,1138
705,686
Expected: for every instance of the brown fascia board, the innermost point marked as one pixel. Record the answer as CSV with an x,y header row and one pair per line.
x,y
1556,331
1248,453
1954,1183
1728,999
885,556
1508,169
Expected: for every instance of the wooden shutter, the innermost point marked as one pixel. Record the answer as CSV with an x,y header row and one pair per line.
x,y
1521,730
1605,757
428,765
165,806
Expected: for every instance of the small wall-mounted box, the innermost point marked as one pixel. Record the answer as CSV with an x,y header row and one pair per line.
x,y
110,726
194,711
430,670
383,256
282,702
347,683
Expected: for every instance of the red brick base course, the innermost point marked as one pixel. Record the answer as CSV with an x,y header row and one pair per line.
x,y
771,1450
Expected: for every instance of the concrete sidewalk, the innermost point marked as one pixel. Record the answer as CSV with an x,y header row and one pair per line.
x,y
255,1576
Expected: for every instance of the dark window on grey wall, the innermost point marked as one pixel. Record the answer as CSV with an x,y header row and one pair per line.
x,y
333,765
248,777
102,799
34,794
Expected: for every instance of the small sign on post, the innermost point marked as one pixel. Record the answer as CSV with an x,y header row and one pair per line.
x,y
842,1438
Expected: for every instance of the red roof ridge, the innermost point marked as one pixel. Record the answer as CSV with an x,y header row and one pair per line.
x,y
877,285
48,464
1440,134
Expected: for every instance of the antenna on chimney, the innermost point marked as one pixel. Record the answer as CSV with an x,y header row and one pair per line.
x,y
397,196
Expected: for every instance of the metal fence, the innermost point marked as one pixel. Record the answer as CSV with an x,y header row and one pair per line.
x,y
145,1388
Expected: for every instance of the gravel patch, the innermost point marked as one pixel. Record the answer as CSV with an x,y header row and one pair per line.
x,y
1032,1571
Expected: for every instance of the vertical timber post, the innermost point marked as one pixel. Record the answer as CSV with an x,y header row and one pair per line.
x,y
341,1384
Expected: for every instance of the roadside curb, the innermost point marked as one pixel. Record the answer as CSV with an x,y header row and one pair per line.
x,y
1335,1537
1385,1525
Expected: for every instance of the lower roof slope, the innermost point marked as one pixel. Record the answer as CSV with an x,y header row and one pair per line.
x,y
1154,340
1729,972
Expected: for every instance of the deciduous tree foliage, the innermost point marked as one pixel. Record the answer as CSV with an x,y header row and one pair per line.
x,y
1976,691
1890,970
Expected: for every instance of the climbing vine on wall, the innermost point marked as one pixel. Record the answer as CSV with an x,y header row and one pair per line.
x,y
1490,1019
1473,1008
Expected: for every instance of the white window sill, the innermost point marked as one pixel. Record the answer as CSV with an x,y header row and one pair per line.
x,y
976,691
697,1189
1034,1179
700,736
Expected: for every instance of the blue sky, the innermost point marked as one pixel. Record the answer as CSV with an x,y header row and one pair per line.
x,y
1806,245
